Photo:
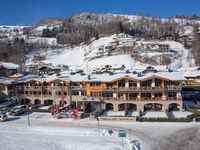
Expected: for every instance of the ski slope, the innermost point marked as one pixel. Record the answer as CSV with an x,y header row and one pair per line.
x,y
86,56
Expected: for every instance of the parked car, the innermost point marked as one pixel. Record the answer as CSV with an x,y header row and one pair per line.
x,y
21,106
3,117
18,111
35,106
4,110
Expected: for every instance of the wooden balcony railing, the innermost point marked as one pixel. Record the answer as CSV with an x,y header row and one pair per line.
x,y
42,88
142,88
42,95
174,98
78,88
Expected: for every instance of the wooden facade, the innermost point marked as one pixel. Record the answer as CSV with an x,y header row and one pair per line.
x,y
153,91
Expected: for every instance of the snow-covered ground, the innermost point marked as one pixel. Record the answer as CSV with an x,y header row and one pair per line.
x,y
49,133
57,138
41,134
112,113
178,114
151,114
88,57
133,113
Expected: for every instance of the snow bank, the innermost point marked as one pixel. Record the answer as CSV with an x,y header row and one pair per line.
x,y
154,115
113,114
179,114
133,113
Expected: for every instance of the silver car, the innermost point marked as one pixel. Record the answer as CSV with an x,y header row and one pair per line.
x,y
3,117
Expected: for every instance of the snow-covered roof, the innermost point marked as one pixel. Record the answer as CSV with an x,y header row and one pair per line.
x,y
41,78
185,69
54,77
191,73
9,65
17,75
106,77
5,80
78,78
26,78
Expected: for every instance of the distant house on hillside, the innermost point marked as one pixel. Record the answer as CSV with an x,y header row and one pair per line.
x,y
186,40
157,47
123,49
110,68
7,69
16,76
33,69
114,44
192,75
154,47
49,70
123,35
150,69
166,37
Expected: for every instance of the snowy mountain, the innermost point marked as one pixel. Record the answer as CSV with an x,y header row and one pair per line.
x,y
88,57
84,40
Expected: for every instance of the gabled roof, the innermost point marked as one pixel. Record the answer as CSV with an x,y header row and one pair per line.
x,y
5,81
126,77
34,79
28,78
105,77
154,76
57,78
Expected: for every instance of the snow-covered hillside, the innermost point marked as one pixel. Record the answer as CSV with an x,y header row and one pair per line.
x,y
98,53
86,56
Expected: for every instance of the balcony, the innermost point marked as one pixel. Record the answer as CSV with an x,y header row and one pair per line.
x,y
42,96
161,98
173,88
142,88
118,89
33,88
119,99
77,88
174,98
85,98
47,88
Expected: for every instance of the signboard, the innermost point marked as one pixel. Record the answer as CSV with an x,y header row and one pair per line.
x,y
122,133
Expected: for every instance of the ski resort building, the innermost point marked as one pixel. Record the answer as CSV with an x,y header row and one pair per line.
x,y
130,90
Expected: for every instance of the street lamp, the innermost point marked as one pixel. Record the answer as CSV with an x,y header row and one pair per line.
x,y
29,123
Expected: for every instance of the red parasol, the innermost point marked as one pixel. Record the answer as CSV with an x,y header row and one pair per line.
x,y
52,110
62,98
78,108
57,108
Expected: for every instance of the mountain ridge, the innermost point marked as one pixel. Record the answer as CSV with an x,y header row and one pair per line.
x,y
58,33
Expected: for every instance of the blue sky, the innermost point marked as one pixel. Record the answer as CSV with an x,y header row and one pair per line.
x,y
28,12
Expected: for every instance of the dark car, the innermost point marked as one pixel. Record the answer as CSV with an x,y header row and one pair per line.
x,y
18,111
